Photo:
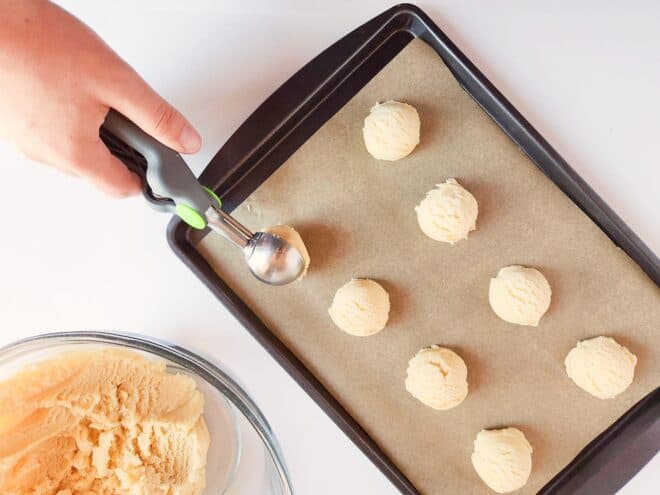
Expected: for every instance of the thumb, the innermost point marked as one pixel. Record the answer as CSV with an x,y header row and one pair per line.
x,y
154,115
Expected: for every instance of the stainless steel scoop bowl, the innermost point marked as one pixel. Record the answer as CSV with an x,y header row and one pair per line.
x,y
270,258
169,185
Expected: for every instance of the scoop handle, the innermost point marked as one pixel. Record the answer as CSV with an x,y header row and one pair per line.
x,y
167,179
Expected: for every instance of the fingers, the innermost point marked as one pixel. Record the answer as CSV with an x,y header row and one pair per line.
x,y
106,172
140,103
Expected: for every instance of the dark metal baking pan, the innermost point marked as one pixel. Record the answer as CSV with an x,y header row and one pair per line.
x,y
300,107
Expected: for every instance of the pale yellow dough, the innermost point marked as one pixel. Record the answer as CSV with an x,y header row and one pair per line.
x,y
391,130
601,366
519,295
361,307
290,235
437,377
448,212
502,459
104,422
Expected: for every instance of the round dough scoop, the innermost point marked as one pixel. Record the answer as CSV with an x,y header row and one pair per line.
x,y
519,295
437,377
168,182
448,212
391,130
361,307
502,459
290,235
601,366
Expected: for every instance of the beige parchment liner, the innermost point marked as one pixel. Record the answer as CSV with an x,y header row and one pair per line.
x,y
357,218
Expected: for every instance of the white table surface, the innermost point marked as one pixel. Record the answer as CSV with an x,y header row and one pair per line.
x,y
585,75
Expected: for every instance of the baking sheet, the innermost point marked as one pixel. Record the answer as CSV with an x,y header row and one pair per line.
x,y
357,218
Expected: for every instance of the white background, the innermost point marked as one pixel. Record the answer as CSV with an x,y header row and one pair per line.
x,y
587,76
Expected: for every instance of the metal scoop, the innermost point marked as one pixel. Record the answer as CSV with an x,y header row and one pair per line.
x,y
169,185
270,258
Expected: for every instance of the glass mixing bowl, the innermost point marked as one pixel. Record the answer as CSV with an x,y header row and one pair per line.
x,y
244,457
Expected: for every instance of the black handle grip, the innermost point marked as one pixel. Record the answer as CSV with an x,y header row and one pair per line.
x,y
165,173
137,164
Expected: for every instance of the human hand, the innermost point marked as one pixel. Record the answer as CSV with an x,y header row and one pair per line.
x,y
58,80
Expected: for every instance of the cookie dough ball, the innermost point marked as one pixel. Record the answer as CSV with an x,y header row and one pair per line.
x,y
361,307
437,377
601,366
290,235
519,295
448,212
502,459
391,130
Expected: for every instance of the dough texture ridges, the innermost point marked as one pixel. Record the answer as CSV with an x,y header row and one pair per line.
x,y
391,130
361,307
437,377
448,212
519,295
601,366
108,422
502,459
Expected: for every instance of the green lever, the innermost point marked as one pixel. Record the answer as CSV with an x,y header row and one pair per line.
x,y
167,174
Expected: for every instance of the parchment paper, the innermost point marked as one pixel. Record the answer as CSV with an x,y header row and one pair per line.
x,y
357,218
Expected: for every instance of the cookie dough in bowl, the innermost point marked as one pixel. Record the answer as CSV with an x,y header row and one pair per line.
x,y
106,421
519,295
601,366
391,130
158,386
290,235
437,377
502,458
448,212
361,307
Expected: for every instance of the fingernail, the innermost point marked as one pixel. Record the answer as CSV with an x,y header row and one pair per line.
x,y
189,139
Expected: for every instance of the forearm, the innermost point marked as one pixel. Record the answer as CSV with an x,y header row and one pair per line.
x,y
18,23
35,36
